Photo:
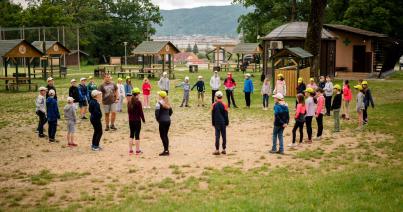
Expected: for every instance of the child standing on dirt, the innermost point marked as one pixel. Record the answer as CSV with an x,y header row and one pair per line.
x,y
367,100
40,103
220,121
163,112
53,115
347,96
51,86
90,87
229,86
310,112
70,116
186,91
74,92
136,115
95,118
320,112
146,87
280,86
83,101
200,87
266,90
328,94
281,119
121,94
360,105
299,120
336,105
301,87
248,89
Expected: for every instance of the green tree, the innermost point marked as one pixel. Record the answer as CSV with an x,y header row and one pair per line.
x,y
195,49
10,14
189,48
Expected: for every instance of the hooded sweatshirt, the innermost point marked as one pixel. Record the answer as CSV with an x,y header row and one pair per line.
x,y
281,114
215,82
70,112
163,83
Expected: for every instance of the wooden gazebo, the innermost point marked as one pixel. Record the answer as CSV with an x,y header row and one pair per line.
x,y
293,63
254,49
53,51
165,49
222,54
13,51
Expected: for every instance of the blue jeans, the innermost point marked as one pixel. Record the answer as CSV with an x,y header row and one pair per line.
x,y
52,129
265,100
278,132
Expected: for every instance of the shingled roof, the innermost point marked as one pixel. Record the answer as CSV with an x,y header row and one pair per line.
x,y
48,45
294,51
294,30
153,47
354,30
248,48
6,46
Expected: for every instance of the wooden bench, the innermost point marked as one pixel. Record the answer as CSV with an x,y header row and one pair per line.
x,y
13,86
141,75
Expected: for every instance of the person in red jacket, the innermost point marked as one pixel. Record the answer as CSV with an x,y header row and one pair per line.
x,y
299,120
229,85
347,96
146,87
136,115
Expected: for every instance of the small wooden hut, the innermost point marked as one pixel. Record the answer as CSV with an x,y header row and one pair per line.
x,y
254,49
14,51
164,49
293,63
53,51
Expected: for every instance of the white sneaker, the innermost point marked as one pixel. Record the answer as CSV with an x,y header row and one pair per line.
x,y
292,145
318,138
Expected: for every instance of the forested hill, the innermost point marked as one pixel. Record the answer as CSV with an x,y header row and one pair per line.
x,y
211,20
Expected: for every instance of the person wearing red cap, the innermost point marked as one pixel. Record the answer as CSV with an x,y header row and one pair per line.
x,y
229,85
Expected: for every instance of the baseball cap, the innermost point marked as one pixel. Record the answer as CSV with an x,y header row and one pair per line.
x,y
95,93
50,78
90,77
162,94
278,96
136,90
359,87
364,83
309,90
300,79
73,80
83,78
200,77
337,86
51,92
312,79
186,78
42,89
70,99
218,94
247,75
127,77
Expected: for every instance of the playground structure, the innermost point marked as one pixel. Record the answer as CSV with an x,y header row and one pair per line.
x,y
292,63
18,52
221,57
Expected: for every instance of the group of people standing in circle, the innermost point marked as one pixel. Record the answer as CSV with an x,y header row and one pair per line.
x,y
312,101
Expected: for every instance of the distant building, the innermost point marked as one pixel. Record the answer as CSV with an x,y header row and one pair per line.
x,y
185,57
203,42
72,57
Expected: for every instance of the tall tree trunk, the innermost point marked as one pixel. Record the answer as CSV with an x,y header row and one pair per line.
x,y
314,33
293,10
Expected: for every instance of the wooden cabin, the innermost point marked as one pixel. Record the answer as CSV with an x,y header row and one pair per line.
x,y
53,52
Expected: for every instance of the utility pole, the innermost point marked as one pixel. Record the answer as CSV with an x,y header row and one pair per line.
x,y
64,44
78,48
125,43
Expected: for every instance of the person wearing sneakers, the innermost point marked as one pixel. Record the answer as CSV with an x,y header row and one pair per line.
x,y
248,89
146,87
53,115
320,111
163,83
299,120
74,92
347,96
220,121
95,118
186,92
215,83
90,87
328,94
128,88
70,116
312,84
280,86
136,115
83,101
301,87
367,100
322,82
310,112
201,88
109,99
336,105
163,112
40,103
229,85
360,106
51,86
121,94
281,119
265,91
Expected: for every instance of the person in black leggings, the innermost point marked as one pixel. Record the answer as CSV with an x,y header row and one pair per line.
x,y
299,120
136,115
95,118
163,112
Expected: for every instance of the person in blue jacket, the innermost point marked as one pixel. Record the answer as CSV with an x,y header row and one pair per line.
x,y
248,89
281,119
200,90
53,115
95,118
128,88
83,100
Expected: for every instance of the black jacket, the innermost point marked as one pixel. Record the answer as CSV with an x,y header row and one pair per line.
x,y
219,114
162,114
199,86
336,102
95,110
75,93
301,88
368,98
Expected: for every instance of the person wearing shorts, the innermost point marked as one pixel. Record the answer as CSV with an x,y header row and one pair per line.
x,y
109,99
70,116
136,115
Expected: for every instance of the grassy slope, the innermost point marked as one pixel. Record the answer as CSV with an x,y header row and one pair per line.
x,y
359,186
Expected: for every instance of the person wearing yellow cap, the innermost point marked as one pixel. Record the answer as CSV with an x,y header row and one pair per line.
x,y
301,87
280,86
312,84
163,112
336,105
360,105
121,94
136,115
310,112
128,88
367,100
90,87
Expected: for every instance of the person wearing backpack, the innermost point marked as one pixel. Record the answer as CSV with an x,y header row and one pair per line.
x,y
299,120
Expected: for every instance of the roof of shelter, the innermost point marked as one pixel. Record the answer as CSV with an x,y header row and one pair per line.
x,y
293,51
49,45
294,30
8,48
153,47
353,30
248,48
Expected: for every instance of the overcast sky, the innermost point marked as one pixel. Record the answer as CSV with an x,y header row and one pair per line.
x,y
176,4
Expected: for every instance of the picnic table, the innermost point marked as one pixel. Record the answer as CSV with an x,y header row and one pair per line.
x,y
129,70
11,83
110,69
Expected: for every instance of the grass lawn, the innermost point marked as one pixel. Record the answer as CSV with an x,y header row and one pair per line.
x,y
366,175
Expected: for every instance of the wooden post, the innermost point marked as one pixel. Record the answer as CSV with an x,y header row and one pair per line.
x,y
29,74
51,64
272,75
5,70
163,63
78,48
237,62
16,73
64,44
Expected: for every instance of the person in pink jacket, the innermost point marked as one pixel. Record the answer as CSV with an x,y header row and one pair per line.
x,y
320,111
299,120
347,96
